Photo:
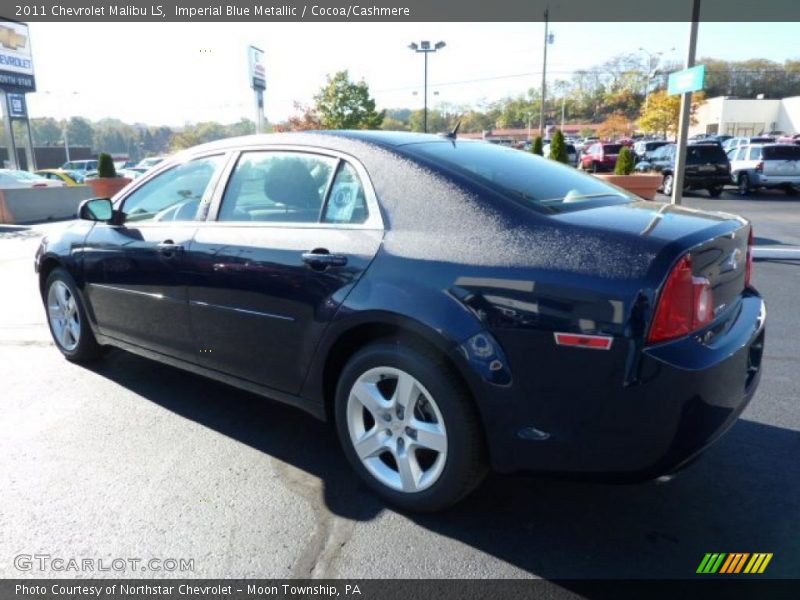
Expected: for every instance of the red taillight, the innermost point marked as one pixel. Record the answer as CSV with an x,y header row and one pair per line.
x,y
748,265
686,304
760,167
37,185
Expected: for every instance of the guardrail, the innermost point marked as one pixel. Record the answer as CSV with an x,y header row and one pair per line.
x,y
36,205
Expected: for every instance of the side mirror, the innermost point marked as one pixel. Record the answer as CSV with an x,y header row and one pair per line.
x,y
96,209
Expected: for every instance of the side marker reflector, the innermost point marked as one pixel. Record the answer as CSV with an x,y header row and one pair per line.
x,y
578,340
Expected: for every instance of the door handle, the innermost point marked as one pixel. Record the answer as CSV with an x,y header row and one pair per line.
x,y
321,259
169,247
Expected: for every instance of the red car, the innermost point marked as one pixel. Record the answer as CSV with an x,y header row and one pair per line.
x,y
600,156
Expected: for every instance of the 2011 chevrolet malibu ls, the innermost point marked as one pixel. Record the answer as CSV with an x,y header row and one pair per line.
x,y
450,305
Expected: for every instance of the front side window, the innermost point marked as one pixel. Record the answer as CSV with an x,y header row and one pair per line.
x,y
174,195
755,153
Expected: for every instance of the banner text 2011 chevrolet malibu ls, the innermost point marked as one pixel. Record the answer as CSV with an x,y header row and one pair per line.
x,y
450,305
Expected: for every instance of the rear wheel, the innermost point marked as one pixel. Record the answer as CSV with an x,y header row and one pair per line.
x,y
743,184
790,190
715,191
67,320
408,427
667,184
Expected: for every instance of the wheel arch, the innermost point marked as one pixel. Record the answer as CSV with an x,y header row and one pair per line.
x,y
47,265
348,339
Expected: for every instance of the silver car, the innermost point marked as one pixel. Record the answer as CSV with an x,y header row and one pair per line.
x,y
766,166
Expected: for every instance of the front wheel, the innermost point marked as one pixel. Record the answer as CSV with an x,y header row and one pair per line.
x,y
409,427
790,190
715,191
67,320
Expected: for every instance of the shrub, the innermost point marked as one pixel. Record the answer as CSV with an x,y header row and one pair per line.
x,y
537,146
105,166
558,148
625,162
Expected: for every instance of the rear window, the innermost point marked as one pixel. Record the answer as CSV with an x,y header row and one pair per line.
x,y
781,153
612,148
533,180
705,154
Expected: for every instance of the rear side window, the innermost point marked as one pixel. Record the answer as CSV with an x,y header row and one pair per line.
x,y
782,153
755,154
346,201
284,187
612,148
540,182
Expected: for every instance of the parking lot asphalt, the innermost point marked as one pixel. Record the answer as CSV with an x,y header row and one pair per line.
x,y
130,458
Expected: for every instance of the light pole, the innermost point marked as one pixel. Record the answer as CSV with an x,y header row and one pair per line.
x,y
425,48
548,39
65,130
652,69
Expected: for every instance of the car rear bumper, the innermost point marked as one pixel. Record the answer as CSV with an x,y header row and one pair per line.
x,y
762,180
598,422
706,181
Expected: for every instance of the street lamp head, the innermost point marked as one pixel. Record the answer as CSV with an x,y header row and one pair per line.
x,y
425,45
413,46
439,45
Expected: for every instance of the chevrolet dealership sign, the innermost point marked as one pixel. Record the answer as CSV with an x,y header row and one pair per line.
x,y
16,60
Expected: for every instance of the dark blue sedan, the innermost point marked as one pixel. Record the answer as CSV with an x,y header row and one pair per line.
x,y
452,306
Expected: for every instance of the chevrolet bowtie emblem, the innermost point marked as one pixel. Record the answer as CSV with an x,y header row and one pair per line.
x,y
11,39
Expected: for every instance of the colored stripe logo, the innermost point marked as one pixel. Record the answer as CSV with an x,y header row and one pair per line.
x,y
735,562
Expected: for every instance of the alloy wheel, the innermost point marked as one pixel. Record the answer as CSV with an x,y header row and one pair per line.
x,y
62,312
668,185
397,429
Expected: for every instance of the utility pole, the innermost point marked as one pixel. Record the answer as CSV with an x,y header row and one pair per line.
x,y
544,71
686,107
563,111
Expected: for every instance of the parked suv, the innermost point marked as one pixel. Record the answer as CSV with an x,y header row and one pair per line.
x,y
707,167
643,149
600,157
766,166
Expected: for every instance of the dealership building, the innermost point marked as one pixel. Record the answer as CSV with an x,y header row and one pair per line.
x,y
746,117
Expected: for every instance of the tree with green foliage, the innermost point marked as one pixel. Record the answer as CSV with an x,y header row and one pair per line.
x,y
625,162
558,148
105,165
344,104
536,148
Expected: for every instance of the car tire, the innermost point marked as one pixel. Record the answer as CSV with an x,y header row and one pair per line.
x,y
666,185
715,192
66,318
595,167
383,443
790,190
743,184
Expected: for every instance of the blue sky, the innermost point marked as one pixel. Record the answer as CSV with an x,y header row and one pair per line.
x,y
171,73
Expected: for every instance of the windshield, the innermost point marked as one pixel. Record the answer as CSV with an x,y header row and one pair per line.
x,y
537,181
705,154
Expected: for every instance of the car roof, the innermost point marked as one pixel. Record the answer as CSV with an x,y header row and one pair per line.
x,y
322,138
